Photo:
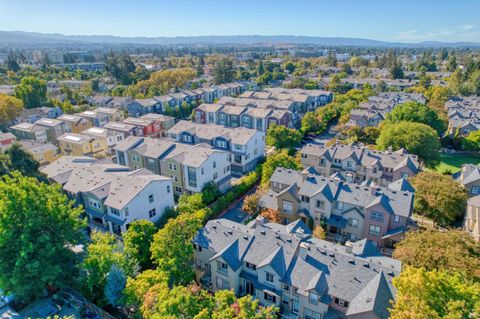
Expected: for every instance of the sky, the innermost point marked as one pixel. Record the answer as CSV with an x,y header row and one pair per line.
x,y
388,20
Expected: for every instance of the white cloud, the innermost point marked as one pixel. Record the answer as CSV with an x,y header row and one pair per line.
x,y
468,27
465,32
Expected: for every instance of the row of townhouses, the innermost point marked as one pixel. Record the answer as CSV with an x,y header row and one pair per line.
x,y
463,115
360,164
469,178
246,146
259,110
375,110
112,195
190,167
283,265
158,104
350,211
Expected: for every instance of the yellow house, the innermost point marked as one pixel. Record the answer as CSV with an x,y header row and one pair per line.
x,y
75,123
82,145
44,153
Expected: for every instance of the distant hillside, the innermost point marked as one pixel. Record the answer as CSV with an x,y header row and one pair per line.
x,y
22,38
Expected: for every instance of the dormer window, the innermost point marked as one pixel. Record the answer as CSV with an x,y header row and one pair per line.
x,y
269,277
250,266
313,298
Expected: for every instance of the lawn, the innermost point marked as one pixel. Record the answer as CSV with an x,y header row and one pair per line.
x,y
453,162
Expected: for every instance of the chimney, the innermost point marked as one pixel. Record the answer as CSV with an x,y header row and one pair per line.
x,y
390,149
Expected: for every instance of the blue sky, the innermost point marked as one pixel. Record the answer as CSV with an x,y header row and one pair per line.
x,y
391,20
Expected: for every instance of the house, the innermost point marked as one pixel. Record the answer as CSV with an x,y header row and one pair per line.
x,y
365,117
112,195
29,131
164,122
75,123
463,115
82,145
358,163
43,153
472,218
246,146
286,267
119,102
54,128
100,100
141,107
144,127
191,167
350,211
6,139
34,114
469,177
106,136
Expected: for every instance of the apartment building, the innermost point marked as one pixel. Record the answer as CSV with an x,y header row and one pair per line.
x,y
29,131
247,146
285,266
82,145
191,167
358,163
112,195
350,211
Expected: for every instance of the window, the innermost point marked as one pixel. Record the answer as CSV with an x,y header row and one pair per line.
x,y
320,204
342,303
126,212
152,213
187,138
192,176
349,164
476,190
286,288
197,247
285,301
119,138
238,147
168,189
287,206
222,144
222,283
374,230
339,205
396,219
353,222
150,198
269,277
377,216
203,171
270,298
305,199
215,175
310,314
295,291
135,158
405,175
214,164
313,298
175,178
172,166
114,211
251,266
222,267
178,189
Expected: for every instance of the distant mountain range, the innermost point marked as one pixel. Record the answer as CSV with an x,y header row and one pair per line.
x,y
12,38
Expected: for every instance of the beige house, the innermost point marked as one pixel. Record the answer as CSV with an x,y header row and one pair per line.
x,y
44,153
76,123
82,145
358,163
469,177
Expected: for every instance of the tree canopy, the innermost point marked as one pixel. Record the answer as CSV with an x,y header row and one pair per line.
x,y
283,137
223,71
10,109
137,242
416,112
416,138
439,197
32,91
38,226
15,158
279,159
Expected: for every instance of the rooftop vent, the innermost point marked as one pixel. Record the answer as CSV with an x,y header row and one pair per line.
x,y
351,261
263,232
366,265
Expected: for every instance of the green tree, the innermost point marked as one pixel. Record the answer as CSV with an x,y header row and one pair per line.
x,y
416,112
172,249
439,197
32,92
311,123
17,159
396,71
120,67
11,63
210,193
452,63
416,138
278,159
137,287
38,226
283,137
190,203
10,109
223,71
472,141
260,68
137,241
103,253
289,66
115,284
452,250
434,294
251,204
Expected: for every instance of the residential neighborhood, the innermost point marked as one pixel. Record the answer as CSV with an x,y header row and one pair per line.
x,y
251,160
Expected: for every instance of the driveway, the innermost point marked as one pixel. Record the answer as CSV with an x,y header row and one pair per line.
x,y
235,212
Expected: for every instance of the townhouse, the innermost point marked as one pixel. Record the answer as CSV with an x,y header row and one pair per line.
x,y
105,136
119,102
54,128
33,115
141,107
359,163
246,146
43,153
82,145
112,195
285,266
472,218
469,178
144,126
29,131
163,122
350,211
463,115
191,167
75,123
102,115
6,139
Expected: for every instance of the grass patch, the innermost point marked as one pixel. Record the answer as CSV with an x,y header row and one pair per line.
x,y
453,162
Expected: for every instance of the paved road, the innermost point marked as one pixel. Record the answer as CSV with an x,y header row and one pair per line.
x,y
235,212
